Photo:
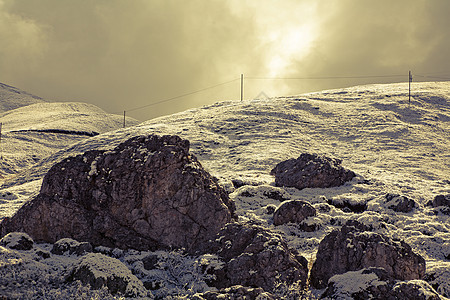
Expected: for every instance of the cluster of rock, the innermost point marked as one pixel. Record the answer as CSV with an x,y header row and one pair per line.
x,y
147,193
150,193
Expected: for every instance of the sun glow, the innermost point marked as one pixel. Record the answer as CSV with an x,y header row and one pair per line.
x,y
288,45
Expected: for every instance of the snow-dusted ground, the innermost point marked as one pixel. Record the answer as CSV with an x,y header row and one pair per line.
x,y
394,146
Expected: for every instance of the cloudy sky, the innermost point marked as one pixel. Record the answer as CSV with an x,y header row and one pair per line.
x,y
125,54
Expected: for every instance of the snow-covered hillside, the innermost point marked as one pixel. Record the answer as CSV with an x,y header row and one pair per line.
x,y
394,146
33,129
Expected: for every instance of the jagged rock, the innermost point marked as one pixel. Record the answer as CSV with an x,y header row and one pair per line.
x,y
147,193
71,247
99,270
311,171
256,257
441,200
400,203
353,248
294,211
17,241
235,293
375,283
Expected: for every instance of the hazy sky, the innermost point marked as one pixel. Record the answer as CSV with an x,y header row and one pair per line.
x,y
124,54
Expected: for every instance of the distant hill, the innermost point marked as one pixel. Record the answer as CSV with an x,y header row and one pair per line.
x,y
12,98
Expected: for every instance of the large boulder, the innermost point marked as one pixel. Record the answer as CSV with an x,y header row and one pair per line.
x,y
17,241
147,193
353,247
255,257
311,171
441,200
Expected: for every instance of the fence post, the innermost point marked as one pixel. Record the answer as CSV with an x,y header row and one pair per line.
x,y
409,95
1,152
242,86
123,119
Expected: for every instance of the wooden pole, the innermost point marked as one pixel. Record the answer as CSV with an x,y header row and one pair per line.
x,y
1,152
242,87
409,95
124,119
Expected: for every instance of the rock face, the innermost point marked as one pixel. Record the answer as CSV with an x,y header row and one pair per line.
x,y
255,257
147,193
99,270
353,248
375,283
311,171
294,211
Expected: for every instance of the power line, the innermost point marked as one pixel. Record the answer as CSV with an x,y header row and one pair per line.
x,y
183,95
326,77
434,77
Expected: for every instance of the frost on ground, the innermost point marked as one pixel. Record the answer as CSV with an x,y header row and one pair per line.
x,y
395,148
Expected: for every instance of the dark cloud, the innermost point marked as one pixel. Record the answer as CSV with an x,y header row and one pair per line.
x,y
122,54
377,38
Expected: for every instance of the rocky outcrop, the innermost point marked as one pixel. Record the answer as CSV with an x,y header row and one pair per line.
x,y
99,270
375,283
147,193
255,257
311,171
17,241
353,248
400,203
294,211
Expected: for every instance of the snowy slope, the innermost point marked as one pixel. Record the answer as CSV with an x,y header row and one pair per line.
x,y
33,129
394,146
12,98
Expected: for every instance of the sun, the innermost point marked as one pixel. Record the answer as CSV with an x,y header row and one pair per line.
x,y
289,44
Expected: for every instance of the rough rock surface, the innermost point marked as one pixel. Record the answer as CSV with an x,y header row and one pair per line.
x,y
99,270
400,203
311,171
294,211
353,248
147,193
17,241
441,200
375,283
235,293
255,257
71,247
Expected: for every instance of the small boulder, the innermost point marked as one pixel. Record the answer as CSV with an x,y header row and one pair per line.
x,y
400,203
256,257
352,248
375,283
237,292
441,200
17,241
71,246
148,193
99,270
311,171
293,211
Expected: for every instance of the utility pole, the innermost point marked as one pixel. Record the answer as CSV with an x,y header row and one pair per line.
x,y
1,154
410,80
242,86
124,119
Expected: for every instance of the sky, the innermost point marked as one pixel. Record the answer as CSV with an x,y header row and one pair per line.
x,y
140,56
